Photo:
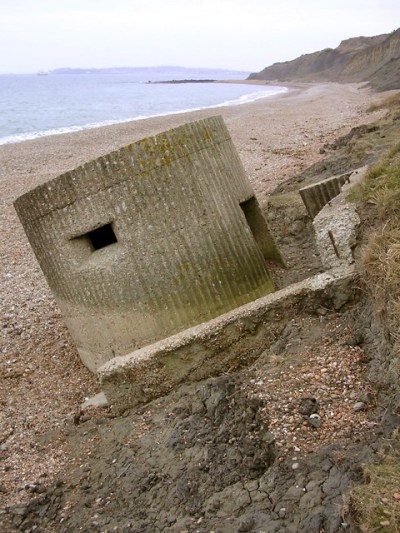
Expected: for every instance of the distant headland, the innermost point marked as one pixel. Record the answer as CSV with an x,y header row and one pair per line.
x,y
375,60
184,81
166,74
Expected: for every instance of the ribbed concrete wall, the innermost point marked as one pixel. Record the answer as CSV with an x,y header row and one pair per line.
x,y
317,195
177,247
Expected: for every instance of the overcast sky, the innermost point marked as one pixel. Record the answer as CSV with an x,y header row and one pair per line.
x,y
233,34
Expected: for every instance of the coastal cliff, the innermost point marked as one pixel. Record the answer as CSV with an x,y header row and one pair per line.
x,y
359,59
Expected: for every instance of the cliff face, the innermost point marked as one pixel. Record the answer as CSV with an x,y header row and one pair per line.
x,y
373,59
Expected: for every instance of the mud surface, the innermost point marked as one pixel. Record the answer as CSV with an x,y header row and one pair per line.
x,y
199,460
204,458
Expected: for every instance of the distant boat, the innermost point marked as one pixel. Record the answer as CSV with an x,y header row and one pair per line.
x,y
42,73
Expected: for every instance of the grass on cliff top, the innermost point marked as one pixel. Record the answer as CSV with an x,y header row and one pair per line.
x,y
390,103
381,186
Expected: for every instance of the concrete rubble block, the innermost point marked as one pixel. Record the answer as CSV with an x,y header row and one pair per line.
x,y
336,234
223,344
336,226
317,195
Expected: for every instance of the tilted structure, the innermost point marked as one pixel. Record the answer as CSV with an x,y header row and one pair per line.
x,y
150,239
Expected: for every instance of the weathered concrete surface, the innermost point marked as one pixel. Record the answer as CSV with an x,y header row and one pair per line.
x,y
336,234
149,240
317,195
336,227
221,345
98,400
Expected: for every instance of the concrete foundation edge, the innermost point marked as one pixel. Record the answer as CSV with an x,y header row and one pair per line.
x,y
225,344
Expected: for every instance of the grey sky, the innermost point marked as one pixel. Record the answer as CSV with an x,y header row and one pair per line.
x,y
235,34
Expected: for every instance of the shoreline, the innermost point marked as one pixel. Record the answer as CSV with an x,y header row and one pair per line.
x,y
30,136
275,137
285,126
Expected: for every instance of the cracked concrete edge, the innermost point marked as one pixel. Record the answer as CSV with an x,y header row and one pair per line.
x,y
317,195
336,226
336,234
225,344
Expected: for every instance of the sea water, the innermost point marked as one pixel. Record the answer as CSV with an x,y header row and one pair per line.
x,y
34,105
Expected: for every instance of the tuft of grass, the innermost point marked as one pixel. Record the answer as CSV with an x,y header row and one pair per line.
x,y
381,186
380,260
375,504
380,257
390,102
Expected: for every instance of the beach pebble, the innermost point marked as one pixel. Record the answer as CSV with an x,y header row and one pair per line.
x,y
359,406
315,421
308,406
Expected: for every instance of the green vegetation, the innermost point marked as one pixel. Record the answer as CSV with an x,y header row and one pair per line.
x,y
391,102
382,184
380,258
376,505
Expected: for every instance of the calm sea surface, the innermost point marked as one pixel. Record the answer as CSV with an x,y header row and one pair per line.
x,y
34,105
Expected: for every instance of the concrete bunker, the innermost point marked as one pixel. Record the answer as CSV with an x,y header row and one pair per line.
x,y
150,240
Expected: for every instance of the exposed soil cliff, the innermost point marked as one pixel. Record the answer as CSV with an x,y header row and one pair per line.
x,y
360,59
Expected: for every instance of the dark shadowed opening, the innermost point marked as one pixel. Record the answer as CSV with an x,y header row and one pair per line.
x,y
260,230
102,237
